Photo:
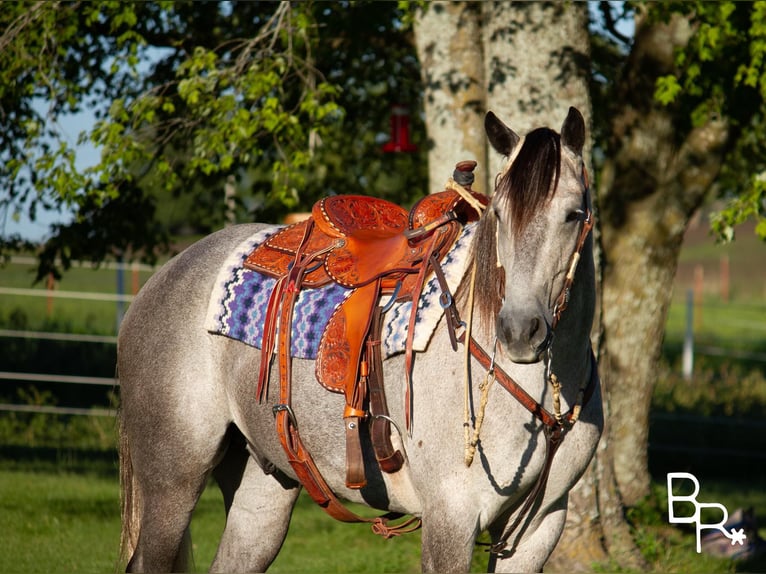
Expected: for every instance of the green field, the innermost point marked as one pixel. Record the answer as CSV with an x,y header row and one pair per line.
x,y
66,522
39,311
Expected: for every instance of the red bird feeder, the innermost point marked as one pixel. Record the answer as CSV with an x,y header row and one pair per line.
x,y
400,132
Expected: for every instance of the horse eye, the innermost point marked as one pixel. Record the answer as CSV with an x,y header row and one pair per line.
x,y
575,215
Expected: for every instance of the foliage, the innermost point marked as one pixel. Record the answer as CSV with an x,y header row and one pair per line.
x,y
286,102
62,433
724,390
721,72
275,99
718,75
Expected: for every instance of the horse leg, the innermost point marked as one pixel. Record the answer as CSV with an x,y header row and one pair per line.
x,y
165,508
448,539
164,481
529,550
258,510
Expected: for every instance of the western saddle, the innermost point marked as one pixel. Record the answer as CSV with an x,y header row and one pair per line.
x,y
378,250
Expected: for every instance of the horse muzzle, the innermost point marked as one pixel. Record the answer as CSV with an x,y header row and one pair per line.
x,y
525,339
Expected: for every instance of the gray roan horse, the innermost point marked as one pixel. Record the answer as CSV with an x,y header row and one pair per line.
x,y
188,407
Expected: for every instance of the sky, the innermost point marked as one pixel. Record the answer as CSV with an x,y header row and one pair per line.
x,y
70,127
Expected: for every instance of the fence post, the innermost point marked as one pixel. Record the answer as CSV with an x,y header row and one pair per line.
x,y
699,291
725,272
688,353
50,285
120,291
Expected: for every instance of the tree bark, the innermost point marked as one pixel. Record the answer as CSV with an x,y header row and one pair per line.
x,y
448,41
536,59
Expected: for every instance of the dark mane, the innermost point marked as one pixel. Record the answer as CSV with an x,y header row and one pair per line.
x,y
523,189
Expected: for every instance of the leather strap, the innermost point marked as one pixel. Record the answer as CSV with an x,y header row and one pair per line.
x,y
284,296
430,260
554,430
562,302
389,459
277,307
522,396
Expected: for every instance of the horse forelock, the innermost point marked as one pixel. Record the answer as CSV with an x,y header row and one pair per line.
x,y
522,189
531,178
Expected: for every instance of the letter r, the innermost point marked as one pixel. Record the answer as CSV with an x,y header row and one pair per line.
x,y
717,526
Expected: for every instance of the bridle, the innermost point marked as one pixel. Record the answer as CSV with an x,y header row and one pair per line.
x,y
556,424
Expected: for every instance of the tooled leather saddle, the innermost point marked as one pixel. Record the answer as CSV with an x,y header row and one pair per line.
x,y
379,251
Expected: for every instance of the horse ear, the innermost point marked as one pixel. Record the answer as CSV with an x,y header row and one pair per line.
x,y
573,131
502,138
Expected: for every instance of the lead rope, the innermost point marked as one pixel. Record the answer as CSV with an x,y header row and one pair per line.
x,y
472,439
465,194
470,447
467,363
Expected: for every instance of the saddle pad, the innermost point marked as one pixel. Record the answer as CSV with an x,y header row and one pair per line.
x,y
429,311
237,306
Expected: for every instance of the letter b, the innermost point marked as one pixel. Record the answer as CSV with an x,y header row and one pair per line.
x,y
673,498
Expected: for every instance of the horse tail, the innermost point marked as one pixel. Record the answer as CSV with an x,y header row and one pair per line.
x,y
130,499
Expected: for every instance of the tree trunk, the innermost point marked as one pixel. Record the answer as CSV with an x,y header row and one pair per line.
x,y
536,62
655,178
448,41
535,65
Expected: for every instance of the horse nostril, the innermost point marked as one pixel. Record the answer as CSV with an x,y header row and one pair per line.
x,y
534,326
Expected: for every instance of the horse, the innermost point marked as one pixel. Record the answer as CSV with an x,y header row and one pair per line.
x,y
188,408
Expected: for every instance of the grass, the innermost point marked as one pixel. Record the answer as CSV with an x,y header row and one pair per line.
x,y
736,327
69,522
57,520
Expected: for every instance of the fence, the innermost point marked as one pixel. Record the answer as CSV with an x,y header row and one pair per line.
x,y
120,298
693,310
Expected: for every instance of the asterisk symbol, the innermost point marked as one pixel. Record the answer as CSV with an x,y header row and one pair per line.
x,y
738,536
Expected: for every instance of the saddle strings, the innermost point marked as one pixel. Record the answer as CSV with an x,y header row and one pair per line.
x,y
466,195
469,453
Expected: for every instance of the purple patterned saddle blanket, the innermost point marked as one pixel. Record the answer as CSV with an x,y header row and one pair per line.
x,y
237,306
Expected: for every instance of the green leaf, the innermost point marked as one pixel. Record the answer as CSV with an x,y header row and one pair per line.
x,y
666,89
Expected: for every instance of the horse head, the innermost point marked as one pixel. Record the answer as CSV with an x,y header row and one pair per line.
x,y
540,219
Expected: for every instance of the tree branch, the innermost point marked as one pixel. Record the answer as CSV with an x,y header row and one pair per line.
x,y
610,23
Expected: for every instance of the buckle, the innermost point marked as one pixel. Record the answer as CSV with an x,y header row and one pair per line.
x,y
276,409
